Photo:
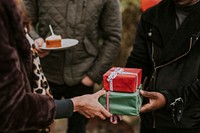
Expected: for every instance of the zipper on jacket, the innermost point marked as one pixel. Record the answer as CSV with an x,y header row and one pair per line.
x,y
191,41
154,66
153,77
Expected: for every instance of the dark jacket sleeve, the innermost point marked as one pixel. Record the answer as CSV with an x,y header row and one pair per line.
x,y
186,93
64,108
179,99
19,108
110,25
140,57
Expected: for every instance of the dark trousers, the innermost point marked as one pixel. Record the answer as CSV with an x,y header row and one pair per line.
x,y
76,123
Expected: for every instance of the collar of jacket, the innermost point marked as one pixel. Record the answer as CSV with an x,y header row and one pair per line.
x,y
169,42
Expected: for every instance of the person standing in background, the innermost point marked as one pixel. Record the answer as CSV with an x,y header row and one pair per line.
x,y
96,24
167,49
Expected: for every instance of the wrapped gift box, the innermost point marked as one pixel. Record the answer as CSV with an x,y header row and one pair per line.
x,y
121,103
122,79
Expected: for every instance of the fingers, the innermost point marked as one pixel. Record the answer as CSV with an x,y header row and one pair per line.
x,y
148,94
146,108
92,107
87,81
38,43
99,93
156,101
105,112
85,114
101,114
42,53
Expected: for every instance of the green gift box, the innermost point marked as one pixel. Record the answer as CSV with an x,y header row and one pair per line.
x,y
121,103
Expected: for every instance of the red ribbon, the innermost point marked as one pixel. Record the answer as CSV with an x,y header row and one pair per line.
x,y
114,118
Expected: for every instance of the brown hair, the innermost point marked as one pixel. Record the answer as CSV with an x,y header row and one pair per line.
x,y
23,13
14,24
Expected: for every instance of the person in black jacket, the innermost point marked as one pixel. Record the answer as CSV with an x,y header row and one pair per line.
x,y
167,48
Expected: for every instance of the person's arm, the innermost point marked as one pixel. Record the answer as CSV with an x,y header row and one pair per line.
x,y
175,99
139,56
110,24
156,101
186,93
19,108
87,105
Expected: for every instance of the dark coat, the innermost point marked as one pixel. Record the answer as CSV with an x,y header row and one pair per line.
x,y
170,59
20,109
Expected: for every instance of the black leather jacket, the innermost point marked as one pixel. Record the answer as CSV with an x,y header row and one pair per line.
x,y
170,59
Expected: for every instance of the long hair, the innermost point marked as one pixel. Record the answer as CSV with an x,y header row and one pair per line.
x,y
14,25
24,14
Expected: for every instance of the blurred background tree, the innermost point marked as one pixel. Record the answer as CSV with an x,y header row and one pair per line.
x,y
131,12
125,3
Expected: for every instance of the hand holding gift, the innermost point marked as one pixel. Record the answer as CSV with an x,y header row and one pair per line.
x,y
89,106
156,100
122,96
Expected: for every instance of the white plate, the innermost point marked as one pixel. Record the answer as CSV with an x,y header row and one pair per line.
x,y
65,43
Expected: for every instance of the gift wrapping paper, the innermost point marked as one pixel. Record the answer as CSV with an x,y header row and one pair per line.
x,y
122,79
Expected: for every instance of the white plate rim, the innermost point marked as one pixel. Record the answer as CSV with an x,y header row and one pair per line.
x,y
66,43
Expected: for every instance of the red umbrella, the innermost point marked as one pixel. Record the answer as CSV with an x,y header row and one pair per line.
x,y
145,4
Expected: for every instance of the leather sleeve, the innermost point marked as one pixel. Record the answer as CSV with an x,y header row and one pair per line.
x,y
139,56
187,93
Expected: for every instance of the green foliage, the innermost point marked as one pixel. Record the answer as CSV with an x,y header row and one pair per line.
x,y
130,10
126,3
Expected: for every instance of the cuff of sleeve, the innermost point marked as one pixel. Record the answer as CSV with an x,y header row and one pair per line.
x,y
169,98
97,79
171,95
176,105
34,35
64,108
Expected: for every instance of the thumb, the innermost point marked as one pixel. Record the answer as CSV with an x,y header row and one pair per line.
x,y
39,42
146,108
147,94
99,93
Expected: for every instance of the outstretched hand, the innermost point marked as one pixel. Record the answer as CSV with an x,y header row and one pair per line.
x,y
156,101
89,106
